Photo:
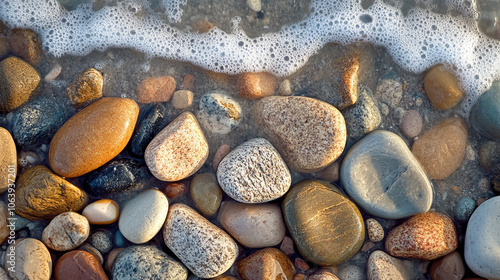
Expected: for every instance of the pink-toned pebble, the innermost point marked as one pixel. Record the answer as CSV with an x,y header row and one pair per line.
x,y
287,246
375,230
301,264
221,152
411,126
159,89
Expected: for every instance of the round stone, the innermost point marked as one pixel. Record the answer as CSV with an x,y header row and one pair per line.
x,y
93,136
182,99
411,125
328,238
28,259
143,216
204,248
266,264
395,189
381,266
485,114
364,116
101,212
375,230
308,133
254,172
8,160
79,264
86,88
206,193
464,208
17,82
449,267
442,88
66,232
219,113
102,240
481,239
253,225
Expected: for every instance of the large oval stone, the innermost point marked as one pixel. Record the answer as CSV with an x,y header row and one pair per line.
x,y
204,248
79,264
381,174
28,259
8,160
178,151
93,136
41,194
309,133
485,115
326,226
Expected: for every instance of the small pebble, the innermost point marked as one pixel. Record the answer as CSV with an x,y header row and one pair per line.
x,y
53,73
464,209
442,88
384,109
399,113
221,152
489,155
188,82
364,116
18,80
411,125
102,240
254,86
390,92
206,193
66,232
101,212
287,246
175,190
254,5
375,230
301,264
219,113
182,99
351,272
159,89
87,87
285,88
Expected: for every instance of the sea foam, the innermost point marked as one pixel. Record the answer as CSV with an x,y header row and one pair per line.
x,y
416,41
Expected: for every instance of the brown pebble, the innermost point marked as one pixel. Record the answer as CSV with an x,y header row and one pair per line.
x,y
323,275
301,264
175,190
25,44
266,264
299,276
86,87
449,267
110,260
202,26
442,88
287,246
18,80
331,172
78,265
256,85
92,250
159,89
480,201
348,85
188,82
411,125
221,152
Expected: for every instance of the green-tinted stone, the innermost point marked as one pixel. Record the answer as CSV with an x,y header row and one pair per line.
x,y
206,193
326,226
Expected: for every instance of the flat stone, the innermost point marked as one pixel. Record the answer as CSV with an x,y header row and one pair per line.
x,y
153,121
253,225
254,172
41,194
18,80
256,85
485,114
219,113
266,264
31,260
26,44
206,193
143,216
481,239
449,267
375,230
147,262
101,212
66,232
381,266
203,247
309,133
395,189
79,265
426,236
178,151
442,88
93,136
364,116
442,149
86,88
332,236
182,99
8,160
158,89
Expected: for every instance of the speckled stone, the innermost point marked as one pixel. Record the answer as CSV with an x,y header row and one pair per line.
x,y
86,88
351,272
441,149
17,82
390,92
93,136
326,239
219,113
158,89
203,247
309,133
485,114
481,239
381,266
449,267
79,265
464,208
153,120
254,172
102,212
8,160
364,116
41,194
66,232
256,85
102,240
411,125
178,151
143,216
266,264
252,225
147,262
182,99
25,44
442,88
375,230
31,261
206,193
425,236
393,190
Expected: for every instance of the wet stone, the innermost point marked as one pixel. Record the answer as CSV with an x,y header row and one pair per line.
x,y
102,240
118,176
18,80
449,267
92,250
78,265
221,152
182,99
147,262
256,85
393,190
174,190
32,261
364,116
351,272
442,88
381,266
348,79
375,230
86,88
266,264
485,114
219,113
26,44
390,92
411,125
206,193
66,232
8,159
495,179
489,154
464,209
254,172
101,212
326,239
323,275
158,89
153,120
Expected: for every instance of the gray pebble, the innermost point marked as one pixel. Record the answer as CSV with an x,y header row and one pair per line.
x,y
102,240
364,116
464,209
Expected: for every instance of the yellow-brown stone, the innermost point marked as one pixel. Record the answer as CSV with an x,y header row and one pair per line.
x,y
442,88
266,264
8,160
86,88
41,194
348,84
256,85
93,136
18,80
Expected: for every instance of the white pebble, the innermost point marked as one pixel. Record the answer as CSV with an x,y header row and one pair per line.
x,y
255,5
53,73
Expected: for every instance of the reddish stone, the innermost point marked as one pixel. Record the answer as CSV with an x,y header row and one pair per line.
x,y
78,265
221,152
256,85
174,190
159,89
188,82
449,267
266,264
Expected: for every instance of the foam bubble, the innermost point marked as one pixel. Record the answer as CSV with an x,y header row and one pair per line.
x,y
416,41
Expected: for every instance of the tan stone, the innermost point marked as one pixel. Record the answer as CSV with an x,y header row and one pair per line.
x,y
182,99
159,89
18,80
40,194
86,88
381,266
202,26
4,229
442,88
25,44
31,260
188,82
101,212
93,136
8,160
441,150
348,84
206,193
425,236
66,232
266,264
256,85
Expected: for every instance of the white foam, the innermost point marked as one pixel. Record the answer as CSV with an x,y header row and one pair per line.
x,y
416,41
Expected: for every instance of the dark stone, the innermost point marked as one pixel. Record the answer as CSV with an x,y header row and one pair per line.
x,y
37,121
153,120
364,116
117,176
495,179
26,44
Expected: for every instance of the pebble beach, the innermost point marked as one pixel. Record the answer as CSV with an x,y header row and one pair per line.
x,y
121,165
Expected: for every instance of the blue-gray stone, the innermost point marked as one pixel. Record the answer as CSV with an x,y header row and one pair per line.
x,y
37,121
153,121
102,240
147,262
485,114
364,116
383,177
464,209
119,239
218,113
